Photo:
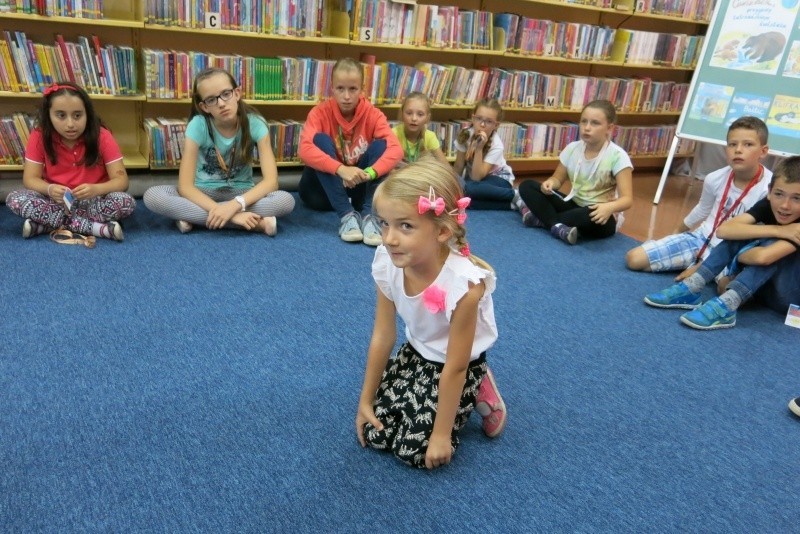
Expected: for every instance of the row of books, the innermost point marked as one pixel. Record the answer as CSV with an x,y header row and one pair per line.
x,y
386,21
88,9
653,48
699,10
14,132
301,18
167,136
169,75
26,66
540,37
522,140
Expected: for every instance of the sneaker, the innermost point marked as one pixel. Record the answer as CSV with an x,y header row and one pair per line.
x,y
350,228
675,296
30,229
116,231
491,406
516,202
371,231
567,234
183,226
529,219
794,406
710,316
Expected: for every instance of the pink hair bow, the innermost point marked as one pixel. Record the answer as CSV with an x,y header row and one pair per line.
x,y
432,203
50,89
464,251
461,212
434,298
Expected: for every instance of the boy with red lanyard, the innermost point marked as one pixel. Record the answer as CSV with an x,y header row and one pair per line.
x,y
759,250
347,147
727,193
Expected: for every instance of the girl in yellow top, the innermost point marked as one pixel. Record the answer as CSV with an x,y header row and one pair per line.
x,y
413,133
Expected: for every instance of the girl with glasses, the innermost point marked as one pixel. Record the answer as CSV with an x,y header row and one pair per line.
x,y
215,182
480,163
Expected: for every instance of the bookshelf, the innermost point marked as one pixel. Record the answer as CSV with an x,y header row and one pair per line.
x,y
127,22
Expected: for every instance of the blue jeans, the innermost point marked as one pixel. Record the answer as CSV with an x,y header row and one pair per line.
x,y
775,285
492,188
324,191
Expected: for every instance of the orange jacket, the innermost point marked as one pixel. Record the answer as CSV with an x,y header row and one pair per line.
x,y
350,137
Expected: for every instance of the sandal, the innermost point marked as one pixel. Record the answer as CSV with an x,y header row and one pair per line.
x,y
66,237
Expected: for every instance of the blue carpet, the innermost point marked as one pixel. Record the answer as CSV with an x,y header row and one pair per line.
x,y
209,381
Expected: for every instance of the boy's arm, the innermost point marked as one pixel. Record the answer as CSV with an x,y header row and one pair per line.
x,y
768,254
743,227
703,208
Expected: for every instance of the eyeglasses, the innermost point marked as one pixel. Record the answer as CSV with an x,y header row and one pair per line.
x,y
483,121
214,100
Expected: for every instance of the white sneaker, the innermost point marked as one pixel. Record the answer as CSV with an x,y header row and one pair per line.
x,y
116,231
371,231
350,228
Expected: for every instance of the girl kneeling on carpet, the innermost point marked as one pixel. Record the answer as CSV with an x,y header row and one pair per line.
x,y
215,181
416,403
73,173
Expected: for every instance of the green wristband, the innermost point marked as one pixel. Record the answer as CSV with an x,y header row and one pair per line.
x,y
372,174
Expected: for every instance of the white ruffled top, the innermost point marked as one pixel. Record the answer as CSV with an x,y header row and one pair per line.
x,y
427,318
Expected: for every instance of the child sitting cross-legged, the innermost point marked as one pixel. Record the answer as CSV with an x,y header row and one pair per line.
x,y
759,248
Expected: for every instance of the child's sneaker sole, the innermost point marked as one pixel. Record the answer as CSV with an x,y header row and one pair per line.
x,y
714,326
672,306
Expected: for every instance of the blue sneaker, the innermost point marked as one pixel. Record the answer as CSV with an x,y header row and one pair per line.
x,y
675,296
710,316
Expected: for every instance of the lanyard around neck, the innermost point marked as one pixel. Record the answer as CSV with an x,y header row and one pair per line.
x,y
720,218
412,156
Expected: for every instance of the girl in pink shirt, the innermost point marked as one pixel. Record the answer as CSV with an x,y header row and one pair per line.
x,y
73,175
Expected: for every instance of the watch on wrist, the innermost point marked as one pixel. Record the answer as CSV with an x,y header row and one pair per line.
x,y
240,200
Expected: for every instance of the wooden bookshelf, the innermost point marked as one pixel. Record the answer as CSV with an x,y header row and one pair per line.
x,y
124,23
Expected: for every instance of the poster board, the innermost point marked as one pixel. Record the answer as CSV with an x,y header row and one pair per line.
x,y
749,65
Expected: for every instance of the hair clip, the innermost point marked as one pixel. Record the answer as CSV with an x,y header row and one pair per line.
x,y
464,251
432,203
53,88
460,213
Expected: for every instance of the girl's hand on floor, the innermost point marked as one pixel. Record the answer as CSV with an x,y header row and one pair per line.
x,y
439,452
366,415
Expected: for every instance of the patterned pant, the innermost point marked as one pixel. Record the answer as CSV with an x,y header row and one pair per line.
x,y
406,404
44,210
165,200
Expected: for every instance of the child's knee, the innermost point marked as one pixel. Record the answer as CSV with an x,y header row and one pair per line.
x,y
636,259
325,143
